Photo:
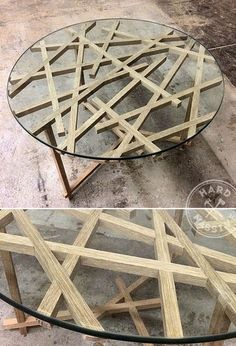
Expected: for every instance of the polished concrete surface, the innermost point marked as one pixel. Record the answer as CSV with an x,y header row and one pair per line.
x,y
28,175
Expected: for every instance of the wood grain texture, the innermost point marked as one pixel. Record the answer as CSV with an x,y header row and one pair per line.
x,y
215,283
78,307
53,294
210,269
169,302
12,282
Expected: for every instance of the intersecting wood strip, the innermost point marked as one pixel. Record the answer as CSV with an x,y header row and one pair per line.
x,y
196,94
214,270
52,90
104,47
166,101
220,322
215,284
133,311
215,215
76,304
51,298
74,109
17,87
170,309
143,115
101,310
144,81
167,44
110,309
6,217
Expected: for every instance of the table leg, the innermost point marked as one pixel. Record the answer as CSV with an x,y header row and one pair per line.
x,y
220,323
69,188
58,162
13,285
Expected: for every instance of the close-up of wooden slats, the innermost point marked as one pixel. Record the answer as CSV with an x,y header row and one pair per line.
x,y
214,270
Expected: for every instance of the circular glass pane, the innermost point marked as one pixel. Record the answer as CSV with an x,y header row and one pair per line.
x,y
137,277
115,89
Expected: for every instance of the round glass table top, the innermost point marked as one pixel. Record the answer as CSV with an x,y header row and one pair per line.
x,y
115,89
152,276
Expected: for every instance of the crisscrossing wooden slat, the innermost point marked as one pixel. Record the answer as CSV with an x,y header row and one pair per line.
x,y
211,269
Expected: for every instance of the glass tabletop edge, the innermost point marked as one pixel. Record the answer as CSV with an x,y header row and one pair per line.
x,y
134,157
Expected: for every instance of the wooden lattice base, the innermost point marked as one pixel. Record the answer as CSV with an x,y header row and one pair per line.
x,y
213,270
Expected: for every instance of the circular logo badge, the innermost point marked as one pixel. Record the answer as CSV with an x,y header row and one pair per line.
x,y
211,194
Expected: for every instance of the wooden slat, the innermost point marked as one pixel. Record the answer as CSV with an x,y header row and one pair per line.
x,y
220,260
117,262
114,43
76,304
124,65
84,91
52,90
87,125
169,303
105,46
216,285
22,83
73,120
142,304
6,217
101,310
172,48
11,278
217,216
77,81
196,94
49,303
143,115
149,146
168,37
160,103
172,131
138,322
179,216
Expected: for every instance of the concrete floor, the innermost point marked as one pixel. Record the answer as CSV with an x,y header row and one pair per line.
x,y
28,177
96,285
